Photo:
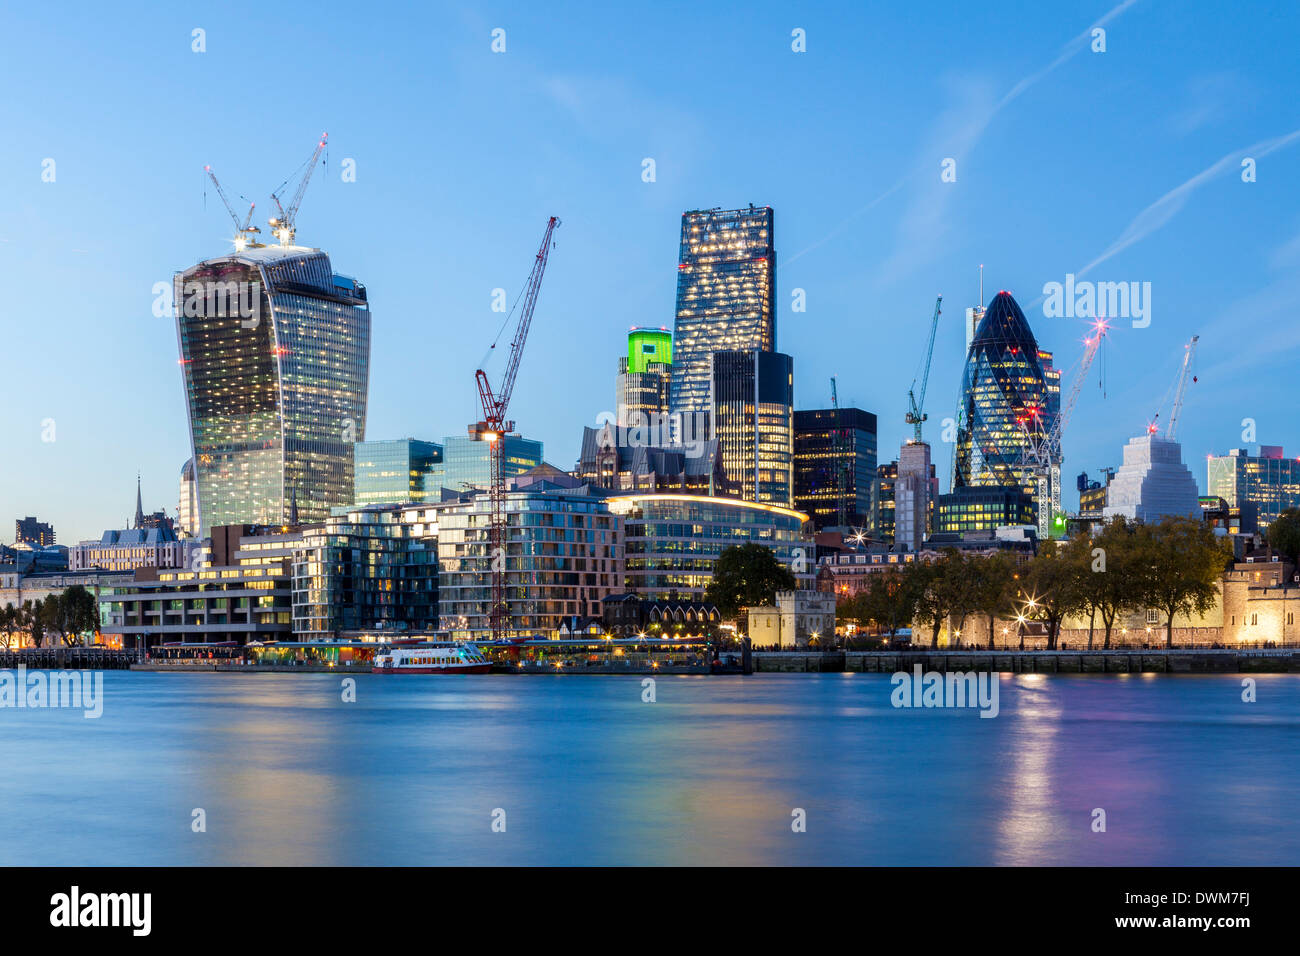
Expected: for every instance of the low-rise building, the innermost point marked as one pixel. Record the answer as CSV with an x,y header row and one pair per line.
x,y
631,615
240,591
849,572
672,542
131,548
798,619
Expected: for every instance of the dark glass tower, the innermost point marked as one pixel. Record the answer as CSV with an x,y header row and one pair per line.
x,y
828,442
726,296
275,352
1008,389
753,412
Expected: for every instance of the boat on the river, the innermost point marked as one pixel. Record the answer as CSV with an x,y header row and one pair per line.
x,y
432,659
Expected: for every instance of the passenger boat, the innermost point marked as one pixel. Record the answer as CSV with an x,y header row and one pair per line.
x,y
435,659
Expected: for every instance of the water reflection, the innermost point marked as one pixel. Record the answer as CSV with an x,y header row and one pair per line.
x,y
587,773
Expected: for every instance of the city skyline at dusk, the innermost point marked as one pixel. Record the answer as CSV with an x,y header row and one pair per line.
x,y
1146,135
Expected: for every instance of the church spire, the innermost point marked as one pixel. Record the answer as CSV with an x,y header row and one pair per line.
x,y
139,503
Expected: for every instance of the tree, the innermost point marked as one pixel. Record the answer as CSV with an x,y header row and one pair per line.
x,y
848,610
10,625
1053,584
939,587
747,575
33,620
889,599
1283,534
930,609
1177,567
1111,583
992,586
70,614
959,581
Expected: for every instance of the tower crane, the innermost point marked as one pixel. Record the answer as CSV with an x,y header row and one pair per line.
x,y
840,453
916,411
242,231
285,225
1042,452
493,428
1188,354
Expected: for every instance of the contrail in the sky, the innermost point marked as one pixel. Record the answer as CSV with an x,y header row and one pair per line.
x,y
1067,51
1171,203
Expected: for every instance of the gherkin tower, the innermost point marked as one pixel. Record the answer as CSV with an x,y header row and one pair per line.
x,y
1009,389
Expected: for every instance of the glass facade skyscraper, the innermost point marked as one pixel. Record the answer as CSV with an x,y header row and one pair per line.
x,y
1008,388
395,472
465,463
275,353
753,417
828,441
726,296
1267,480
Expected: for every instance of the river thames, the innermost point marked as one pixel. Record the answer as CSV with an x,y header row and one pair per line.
x,y
712,772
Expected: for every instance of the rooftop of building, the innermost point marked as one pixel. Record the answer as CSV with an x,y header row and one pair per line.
x,y
1004,324
133,537
628,500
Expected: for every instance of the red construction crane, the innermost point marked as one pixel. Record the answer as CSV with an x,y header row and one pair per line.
x,y
494,427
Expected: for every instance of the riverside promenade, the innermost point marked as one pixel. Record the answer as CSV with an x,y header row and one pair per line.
x,y
1127,660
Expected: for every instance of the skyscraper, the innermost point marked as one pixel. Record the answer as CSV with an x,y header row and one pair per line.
x,y
834,454
396,471
914,493
644,375
187,512
1009,389
726,296
1268,480
753,415
30,531
275,352
466,463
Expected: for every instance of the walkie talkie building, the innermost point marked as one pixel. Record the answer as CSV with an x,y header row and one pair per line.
x,y
275,353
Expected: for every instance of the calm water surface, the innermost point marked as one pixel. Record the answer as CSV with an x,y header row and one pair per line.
x,y
709,774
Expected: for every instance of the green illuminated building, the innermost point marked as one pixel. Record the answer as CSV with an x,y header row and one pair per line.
x,y
647,346
644,376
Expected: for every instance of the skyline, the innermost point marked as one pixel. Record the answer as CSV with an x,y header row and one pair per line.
x,y
561,123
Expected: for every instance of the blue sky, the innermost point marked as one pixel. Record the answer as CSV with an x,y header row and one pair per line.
x,y
1063,156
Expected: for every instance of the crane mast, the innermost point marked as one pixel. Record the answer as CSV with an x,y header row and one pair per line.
x,y
285,225
242,230
839,451
1190,351
916,410
1042,453
494,427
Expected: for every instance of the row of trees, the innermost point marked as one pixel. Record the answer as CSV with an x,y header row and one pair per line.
x,y
1173,566
66,617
